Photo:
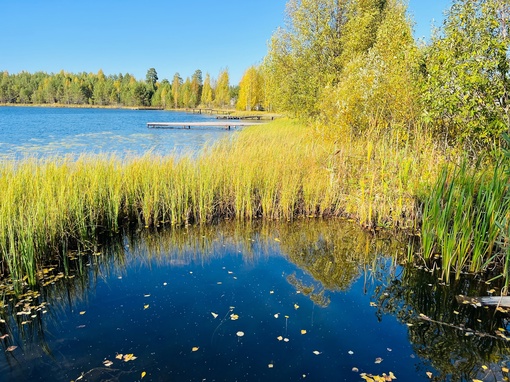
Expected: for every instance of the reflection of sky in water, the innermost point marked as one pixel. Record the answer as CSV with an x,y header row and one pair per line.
x,y
40,132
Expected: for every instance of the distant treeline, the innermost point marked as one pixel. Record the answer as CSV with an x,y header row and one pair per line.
x,y
117,90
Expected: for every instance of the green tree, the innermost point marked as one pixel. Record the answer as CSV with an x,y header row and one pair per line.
x,y
467,96
379,87
304,57
151,77
196,88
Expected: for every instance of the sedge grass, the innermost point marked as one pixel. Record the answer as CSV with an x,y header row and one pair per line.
x,y
277,171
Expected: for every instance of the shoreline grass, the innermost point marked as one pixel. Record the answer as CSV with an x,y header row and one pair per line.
x,y
277,171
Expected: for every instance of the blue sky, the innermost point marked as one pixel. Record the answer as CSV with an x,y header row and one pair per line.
x,y
132,36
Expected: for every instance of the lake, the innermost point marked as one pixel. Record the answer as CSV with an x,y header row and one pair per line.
x,y
42,132
309,300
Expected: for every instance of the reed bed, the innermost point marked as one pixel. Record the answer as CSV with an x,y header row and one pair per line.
x,y
272,172
466,220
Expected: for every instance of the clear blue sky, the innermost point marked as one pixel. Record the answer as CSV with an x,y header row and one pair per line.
x,y
127,36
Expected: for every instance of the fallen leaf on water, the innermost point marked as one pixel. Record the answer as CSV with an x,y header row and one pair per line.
x,y
119,356
144,374
276,315
303,331
195,348
129,357
378,360
276,239
504,369
286,340
296,306
82,312
2,337
484,367
234,317
279,338
492,290
214,314
240,334
350,352
11,348
429,374
477,380
270,366
271,291
355,369
147,295
316,352
373,304
107,363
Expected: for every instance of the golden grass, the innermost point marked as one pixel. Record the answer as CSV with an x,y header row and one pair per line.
x,y
276,171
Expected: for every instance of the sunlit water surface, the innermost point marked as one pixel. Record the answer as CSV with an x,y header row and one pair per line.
x,y
42,132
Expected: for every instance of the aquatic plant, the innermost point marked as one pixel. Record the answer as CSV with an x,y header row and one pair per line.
x,y
465,219
277,171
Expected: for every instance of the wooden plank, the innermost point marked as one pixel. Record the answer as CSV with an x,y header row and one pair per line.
x,y
503,301
188,125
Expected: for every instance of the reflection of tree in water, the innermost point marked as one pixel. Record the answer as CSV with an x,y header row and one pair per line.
x,y
458,339
333,253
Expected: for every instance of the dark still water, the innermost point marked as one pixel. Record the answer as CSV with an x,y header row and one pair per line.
x,y
317,301
41,132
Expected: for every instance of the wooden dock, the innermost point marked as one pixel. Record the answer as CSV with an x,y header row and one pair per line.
x,y
188,125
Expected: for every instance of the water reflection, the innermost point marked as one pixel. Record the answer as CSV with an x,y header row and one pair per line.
x,y
461,341
152,293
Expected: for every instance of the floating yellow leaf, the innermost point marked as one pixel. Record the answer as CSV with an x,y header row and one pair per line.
x,y
146,306
143,374
316,352
234,317
214,314
484,367
373,304
147,295
270,366
11,348
107,363
279,338
296,306
240,334
119,356
429,374
477,380
492,290
271,292
303,331
276,315
378,360
195,348
286,340
82,312
504,369
129,357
